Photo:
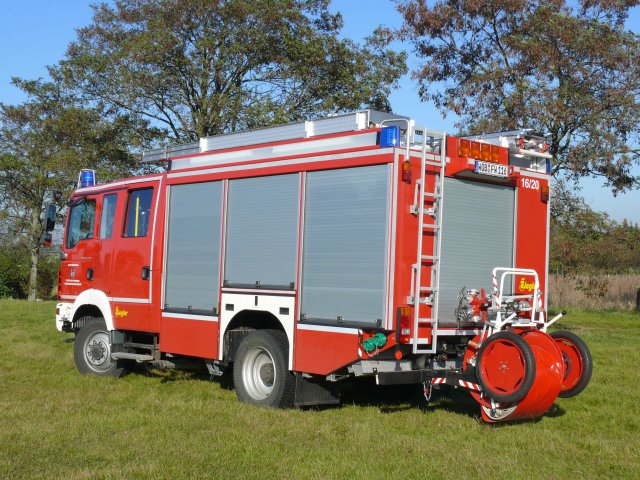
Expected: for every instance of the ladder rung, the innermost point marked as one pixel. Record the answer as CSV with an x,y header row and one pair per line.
x,y
431,163
421,341
432,194
430,257
425,320
428,289
435,226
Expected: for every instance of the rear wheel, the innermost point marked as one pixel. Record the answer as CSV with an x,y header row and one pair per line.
x,y
578,364
92,351
260,373
506,367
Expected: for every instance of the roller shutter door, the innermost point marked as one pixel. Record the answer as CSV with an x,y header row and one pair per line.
x,y
345,235
193,250
477,235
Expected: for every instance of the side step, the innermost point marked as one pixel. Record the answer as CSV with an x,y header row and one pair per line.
x,y
138,357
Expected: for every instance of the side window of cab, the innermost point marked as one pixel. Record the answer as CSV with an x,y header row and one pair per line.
x,y
108,215
81,222
136,223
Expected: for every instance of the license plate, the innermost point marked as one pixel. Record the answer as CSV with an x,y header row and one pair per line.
x,y
494,169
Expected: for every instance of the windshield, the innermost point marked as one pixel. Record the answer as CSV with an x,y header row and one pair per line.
x,y
81,222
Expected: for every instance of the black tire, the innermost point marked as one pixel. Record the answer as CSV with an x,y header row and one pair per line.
x,y
524,376
92,352
260,372
572,340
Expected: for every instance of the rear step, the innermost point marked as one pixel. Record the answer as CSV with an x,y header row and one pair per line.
x,y
138,357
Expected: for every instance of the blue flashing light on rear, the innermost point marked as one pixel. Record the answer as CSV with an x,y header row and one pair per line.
x,y
87,178
390,136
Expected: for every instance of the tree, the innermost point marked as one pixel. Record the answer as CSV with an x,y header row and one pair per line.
x,y
567,69
202,67
44,142
589,242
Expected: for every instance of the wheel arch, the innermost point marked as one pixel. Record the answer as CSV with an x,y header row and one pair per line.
x,y
246,321
94,303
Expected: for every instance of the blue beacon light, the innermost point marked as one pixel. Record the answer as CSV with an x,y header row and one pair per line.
x,y
390,136
87,178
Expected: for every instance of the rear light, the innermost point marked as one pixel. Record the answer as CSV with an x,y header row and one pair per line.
x,y
406,171
544,193
404,325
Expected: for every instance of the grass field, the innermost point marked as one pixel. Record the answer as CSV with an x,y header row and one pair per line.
x,y
55,423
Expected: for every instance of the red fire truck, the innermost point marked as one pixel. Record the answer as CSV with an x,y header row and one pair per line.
x,y
305,254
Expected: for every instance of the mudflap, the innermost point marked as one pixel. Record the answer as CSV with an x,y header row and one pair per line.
x,y
310,392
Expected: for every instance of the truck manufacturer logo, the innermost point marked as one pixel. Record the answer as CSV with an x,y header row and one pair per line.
x,y
121,313
526,286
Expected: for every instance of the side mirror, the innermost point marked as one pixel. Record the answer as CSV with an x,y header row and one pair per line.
x,y
46,239
50,219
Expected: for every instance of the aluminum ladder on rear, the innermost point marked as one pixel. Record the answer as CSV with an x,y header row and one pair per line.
x,y
424,293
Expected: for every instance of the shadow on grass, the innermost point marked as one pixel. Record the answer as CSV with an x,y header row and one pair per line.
x,y
361,392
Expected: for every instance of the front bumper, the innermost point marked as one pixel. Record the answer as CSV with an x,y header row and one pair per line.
x,y
63,317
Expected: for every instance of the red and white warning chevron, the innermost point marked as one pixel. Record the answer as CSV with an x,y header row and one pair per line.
x,y
438,380
470,386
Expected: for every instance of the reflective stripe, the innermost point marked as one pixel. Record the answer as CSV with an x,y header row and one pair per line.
x,y
324,328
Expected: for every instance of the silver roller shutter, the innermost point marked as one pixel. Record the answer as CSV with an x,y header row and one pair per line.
x,y
343,271
262,231
193,250
477,235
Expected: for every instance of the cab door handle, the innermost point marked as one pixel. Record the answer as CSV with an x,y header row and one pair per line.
x,y
89,273
146,272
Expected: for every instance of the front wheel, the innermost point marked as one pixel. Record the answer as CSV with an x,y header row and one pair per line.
x,y
578,364
260,373
92,350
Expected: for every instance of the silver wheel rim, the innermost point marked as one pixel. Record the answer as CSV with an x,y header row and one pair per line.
x,y
258,373
498,413
97,351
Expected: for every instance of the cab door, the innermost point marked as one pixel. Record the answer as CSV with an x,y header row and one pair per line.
x,y
77,270
130,268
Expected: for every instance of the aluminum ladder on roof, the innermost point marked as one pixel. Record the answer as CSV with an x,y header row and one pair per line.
x,y
428,207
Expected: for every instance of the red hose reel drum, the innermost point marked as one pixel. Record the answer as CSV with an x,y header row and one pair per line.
x,y
521,373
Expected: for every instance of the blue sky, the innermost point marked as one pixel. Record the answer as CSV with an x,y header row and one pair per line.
x,y
35,33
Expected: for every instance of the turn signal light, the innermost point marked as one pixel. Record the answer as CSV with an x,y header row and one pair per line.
x,y
464,148
478,151
475,150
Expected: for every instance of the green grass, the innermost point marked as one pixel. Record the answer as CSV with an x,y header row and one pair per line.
x,y
55,423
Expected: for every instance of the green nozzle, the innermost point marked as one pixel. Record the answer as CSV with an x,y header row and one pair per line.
x,y
380,340
369,345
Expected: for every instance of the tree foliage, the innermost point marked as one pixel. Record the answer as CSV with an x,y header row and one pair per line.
x,y
567,69
44,142
201,67
587,241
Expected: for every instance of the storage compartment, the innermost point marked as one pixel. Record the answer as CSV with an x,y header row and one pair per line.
x,y
477,235
345,237
262,232
193,247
